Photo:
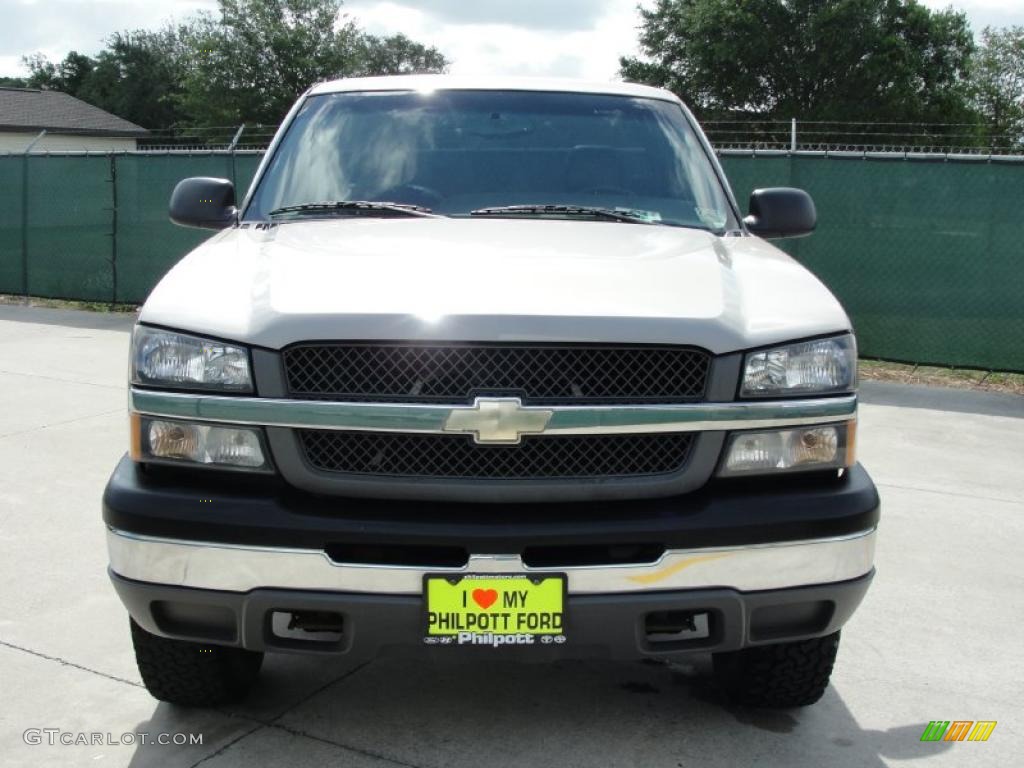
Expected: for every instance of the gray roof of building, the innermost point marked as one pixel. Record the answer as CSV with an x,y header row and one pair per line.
x,y
24,109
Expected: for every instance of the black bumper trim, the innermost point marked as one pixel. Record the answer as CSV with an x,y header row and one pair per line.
x,y
246,510
609,626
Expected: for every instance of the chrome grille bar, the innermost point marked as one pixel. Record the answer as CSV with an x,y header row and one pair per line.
x,y
431,419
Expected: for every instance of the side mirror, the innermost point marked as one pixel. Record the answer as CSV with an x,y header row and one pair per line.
x,y
781,212
204,202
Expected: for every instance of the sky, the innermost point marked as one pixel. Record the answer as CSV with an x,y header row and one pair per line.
x,y
571,38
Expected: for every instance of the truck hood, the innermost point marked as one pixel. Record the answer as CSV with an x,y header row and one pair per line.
x,y
491,280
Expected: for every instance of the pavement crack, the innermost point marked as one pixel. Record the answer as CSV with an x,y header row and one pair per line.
x,y
346,747
321,689
275,724
60,423
66,663
78,382
975,496
227,746
273,721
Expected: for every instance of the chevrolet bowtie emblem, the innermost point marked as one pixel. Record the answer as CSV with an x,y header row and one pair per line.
x,y
498,420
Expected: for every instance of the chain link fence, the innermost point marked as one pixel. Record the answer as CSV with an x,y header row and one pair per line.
x,y
216,137
924,251
850,136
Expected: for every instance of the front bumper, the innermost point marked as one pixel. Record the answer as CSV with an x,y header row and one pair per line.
x,y
209,557
205,565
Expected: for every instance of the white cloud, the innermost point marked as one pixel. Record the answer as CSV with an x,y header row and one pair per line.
x,y
581,38
489,43
54,27
982,13
535,14
538,37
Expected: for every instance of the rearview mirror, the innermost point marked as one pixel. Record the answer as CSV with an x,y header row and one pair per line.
x,y
781,212
204,202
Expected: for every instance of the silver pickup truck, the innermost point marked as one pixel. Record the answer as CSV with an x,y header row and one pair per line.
x,y
492,367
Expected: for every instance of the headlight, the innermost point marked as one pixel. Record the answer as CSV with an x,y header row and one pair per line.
x,y
808,368
790,450
167,359
183,442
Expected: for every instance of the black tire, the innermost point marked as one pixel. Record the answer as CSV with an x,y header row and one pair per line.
x,y
193,674
780,675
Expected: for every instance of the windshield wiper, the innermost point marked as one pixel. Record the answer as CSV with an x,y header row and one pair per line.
x,y
604,214
355,208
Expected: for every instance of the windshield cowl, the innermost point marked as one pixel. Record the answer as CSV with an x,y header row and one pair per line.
x,y
351,208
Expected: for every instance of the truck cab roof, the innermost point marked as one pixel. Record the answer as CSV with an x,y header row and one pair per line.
x,y
491,83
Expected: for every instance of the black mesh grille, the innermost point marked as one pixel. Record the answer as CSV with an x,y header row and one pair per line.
x,y
458,456
457,373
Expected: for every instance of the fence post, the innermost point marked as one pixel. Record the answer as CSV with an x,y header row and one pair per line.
x,y
113,228
793,246
24,224
231,149
24,212
792,137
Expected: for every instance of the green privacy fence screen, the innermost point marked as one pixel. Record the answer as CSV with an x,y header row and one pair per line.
x,y
94,226
925,254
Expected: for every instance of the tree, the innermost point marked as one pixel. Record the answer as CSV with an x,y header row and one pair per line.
x,y
394,55
246,66
251,63
74,71
67,76
842,60
42,73
137,77
997,80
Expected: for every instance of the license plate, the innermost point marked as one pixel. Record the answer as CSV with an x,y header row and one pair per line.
x,y
495,609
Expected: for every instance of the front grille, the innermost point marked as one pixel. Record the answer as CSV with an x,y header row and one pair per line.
x,y
456,373
458,456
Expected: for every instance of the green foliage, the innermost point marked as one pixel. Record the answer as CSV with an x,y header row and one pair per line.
x,y
873,60
997,80
247,64
136,77
67,76
395,55
43,73
251,63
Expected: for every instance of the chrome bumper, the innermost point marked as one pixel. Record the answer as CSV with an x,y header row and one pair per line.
x,y
241,569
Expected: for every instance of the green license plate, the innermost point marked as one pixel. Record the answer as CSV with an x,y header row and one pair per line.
x,y
494,609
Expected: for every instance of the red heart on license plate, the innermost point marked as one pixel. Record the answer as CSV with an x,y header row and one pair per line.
x,y
485,597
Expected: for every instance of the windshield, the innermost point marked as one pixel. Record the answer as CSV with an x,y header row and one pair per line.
x,y
456,152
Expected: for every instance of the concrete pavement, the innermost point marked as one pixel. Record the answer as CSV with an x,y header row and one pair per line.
x,y
938,637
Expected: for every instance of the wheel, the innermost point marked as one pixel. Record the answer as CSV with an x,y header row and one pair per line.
x,y
193,674
780,675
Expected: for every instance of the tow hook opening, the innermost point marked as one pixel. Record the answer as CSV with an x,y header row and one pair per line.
x,y
309,626
677,626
